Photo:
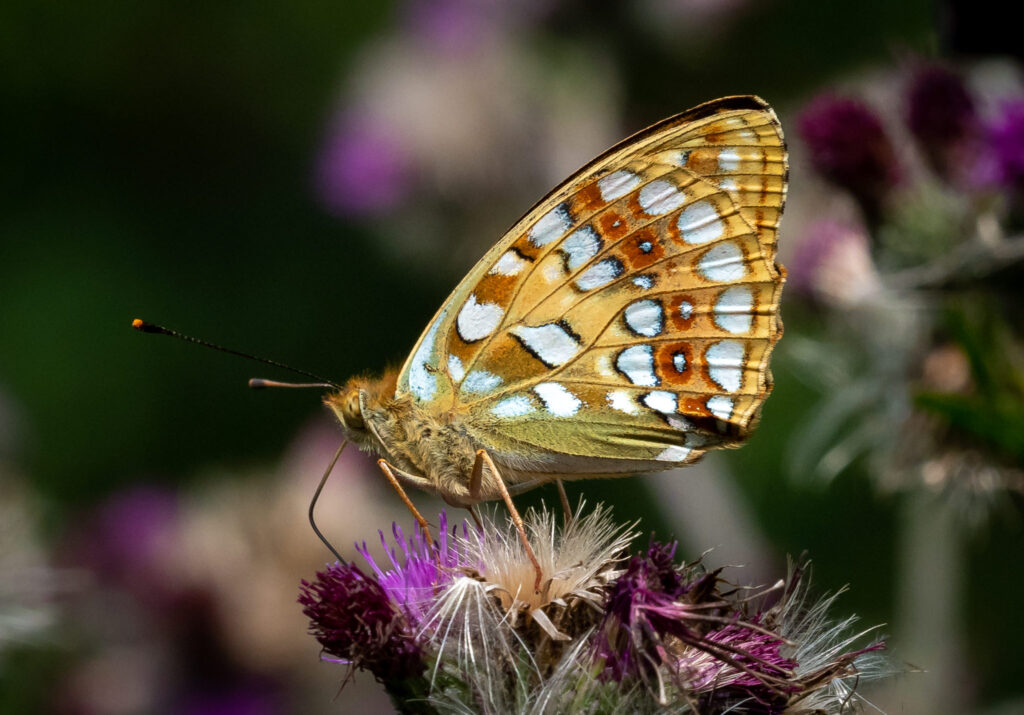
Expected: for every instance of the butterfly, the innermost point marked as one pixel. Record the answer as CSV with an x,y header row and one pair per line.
x,y
623,325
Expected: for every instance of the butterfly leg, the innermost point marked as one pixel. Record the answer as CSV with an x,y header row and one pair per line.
x,y
396,485
565,500
483,457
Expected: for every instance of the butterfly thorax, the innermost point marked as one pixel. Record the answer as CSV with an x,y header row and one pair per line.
x,y
430,448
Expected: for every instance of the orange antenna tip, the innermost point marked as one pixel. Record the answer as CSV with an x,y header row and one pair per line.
x,y
143,327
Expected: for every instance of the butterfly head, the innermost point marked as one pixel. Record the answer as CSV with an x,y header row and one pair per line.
x,y
356,403
348,408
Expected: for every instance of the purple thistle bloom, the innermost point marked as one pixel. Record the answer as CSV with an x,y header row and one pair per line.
x,y
354,620
940,107
1006,147
361,168
941,114
464,26
455,25
134,525
849,147
443,634
414,583
247,698
755,653
833,263
655,619
635,612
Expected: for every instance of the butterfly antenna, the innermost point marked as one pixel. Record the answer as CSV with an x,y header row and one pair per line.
x,y
144,327
316,496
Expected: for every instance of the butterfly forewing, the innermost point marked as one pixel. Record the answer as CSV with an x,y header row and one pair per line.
x,y
626,321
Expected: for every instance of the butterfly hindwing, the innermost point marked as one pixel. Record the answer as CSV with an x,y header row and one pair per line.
x,y
626,321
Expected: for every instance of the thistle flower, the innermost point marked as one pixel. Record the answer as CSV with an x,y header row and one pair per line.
x,y
833,263
656,628
942,116
355,621
849,147
413,582
1006,147
362,167
458,627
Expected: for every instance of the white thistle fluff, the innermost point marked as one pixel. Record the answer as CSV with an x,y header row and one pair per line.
x,y
818,641
577,561
480,644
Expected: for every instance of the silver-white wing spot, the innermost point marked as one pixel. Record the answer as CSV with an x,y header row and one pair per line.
x,y
478,320
557,399
673,454
599,274
637,363
581,245
617,184
480,381
551,343
455,368
728,161
510,264
700,223
515,406
661,401
720,406
679,361
423,382
733,310
645,317
551,226
724,262
660,197
622,401
725,364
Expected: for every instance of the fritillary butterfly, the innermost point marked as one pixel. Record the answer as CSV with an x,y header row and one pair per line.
x,y
623,325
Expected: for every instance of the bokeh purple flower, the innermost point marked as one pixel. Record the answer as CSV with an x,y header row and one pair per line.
x,y
941,113
129,540
461,27
833,263
362,167
940,107
849,146
1005,140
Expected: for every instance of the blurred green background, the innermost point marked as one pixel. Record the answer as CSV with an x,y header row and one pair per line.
x,y
164,161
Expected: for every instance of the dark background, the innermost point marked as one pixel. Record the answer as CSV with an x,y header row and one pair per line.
x,y
158,162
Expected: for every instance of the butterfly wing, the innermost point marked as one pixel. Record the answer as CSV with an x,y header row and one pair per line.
x,y
625,323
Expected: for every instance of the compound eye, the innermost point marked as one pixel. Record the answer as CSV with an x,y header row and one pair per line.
x,y
352,412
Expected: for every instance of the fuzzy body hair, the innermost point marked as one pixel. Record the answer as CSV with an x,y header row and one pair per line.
x,y
436,451
430,451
